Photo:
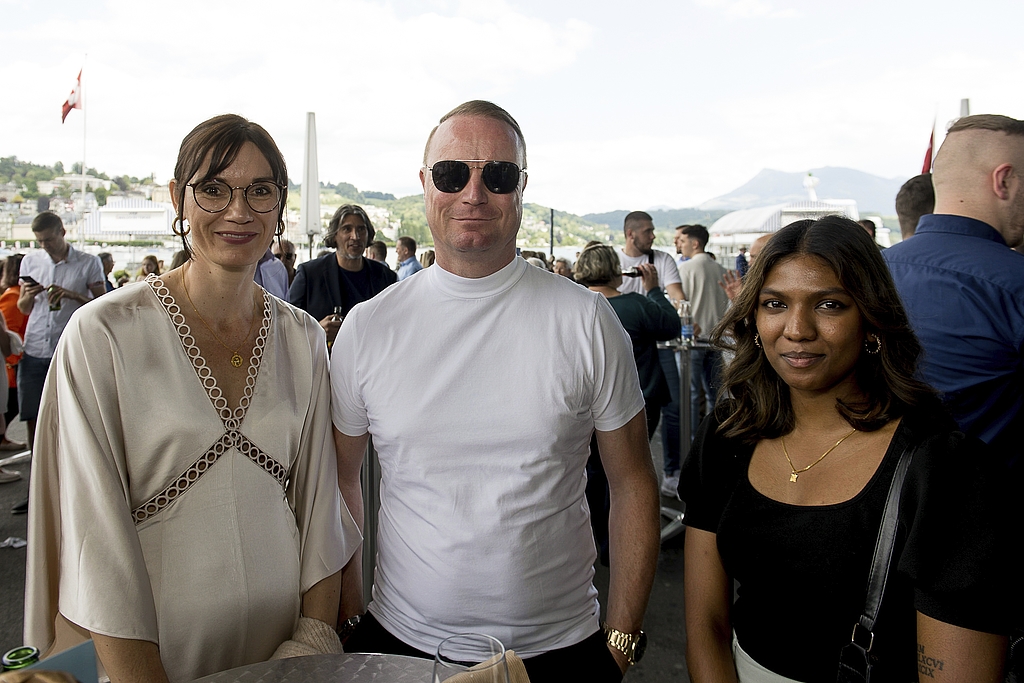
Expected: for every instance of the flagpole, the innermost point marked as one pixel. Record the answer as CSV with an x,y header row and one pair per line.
x,y
85,114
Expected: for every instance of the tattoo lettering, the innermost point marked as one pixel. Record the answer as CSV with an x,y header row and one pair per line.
x,y
927,666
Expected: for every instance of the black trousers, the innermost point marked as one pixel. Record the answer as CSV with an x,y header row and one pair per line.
x,y
588,660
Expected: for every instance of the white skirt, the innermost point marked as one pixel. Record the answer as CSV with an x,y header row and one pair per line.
x,y
749,671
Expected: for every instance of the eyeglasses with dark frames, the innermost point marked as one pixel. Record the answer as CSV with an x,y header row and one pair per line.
x,y
452,175
213,196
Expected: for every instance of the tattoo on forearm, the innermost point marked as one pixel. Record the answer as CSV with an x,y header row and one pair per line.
x,y
927,666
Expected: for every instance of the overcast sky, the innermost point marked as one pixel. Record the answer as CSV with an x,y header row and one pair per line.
x,y
625,105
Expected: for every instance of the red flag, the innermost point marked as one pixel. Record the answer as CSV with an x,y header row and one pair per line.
x,y
927,168
74,100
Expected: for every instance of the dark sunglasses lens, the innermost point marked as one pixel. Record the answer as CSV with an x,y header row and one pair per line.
x,y
450,176
501,177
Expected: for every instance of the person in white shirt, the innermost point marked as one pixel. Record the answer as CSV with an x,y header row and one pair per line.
x,y
62,280
638,227
483,522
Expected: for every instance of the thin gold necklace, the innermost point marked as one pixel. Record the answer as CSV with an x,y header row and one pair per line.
x,y
796,473
236,358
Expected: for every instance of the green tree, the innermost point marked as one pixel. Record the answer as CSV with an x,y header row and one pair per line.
x,y
101,195
349,191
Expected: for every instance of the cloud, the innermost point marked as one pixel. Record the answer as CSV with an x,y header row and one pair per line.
x,y
748,9
377,78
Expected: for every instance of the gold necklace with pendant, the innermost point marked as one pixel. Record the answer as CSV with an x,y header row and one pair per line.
x,y
236,358
795,472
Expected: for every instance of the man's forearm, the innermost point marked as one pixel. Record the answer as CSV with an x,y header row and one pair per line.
x,y
634,535
634,531
351,451
352,586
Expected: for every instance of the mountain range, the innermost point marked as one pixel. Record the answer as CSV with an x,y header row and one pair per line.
x,y
873,193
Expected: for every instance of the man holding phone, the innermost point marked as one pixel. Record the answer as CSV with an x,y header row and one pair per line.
x,y
56,281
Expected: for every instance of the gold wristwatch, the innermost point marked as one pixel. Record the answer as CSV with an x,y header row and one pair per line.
x,y
633,645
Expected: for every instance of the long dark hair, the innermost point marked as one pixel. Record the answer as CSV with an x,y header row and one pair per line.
x,y
220,139
331,236
12,269
762,408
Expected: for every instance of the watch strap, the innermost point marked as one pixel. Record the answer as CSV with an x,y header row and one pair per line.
x,y
623,642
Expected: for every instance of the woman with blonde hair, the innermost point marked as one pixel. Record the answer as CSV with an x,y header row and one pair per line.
x,y
149,266
647,320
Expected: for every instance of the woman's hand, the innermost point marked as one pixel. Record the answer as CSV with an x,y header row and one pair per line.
x,y
649,274
732,283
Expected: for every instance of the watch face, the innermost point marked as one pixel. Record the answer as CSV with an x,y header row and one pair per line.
x,y
641,647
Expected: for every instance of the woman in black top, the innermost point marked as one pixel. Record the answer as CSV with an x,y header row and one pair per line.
x,y
786,483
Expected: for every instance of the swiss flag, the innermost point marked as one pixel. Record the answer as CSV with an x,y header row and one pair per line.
x,y
74,100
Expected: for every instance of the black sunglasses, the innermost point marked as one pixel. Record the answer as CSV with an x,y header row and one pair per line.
x,y
500,177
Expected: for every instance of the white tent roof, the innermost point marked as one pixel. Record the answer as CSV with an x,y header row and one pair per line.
x,y
768,219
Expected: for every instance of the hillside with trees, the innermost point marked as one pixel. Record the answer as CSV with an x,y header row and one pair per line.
x,y
408,216
27,175
405,215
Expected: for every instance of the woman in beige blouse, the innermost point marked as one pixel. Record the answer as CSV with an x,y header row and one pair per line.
x,y
189,531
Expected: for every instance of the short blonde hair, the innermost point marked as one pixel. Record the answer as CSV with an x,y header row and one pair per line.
x,y
597,265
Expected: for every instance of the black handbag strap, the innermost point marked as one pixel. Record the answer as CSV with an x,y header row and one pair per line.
x,y
884,547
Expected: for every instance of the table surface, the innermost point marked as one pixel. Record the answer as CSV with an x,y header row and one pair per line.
x,y
354,668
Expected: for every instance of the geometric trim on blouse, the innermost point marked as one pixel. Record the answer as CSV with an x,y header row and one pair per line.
x,y
232,419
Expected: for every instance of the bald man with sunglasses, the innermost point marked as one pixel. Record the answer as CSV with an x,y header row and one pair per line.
x,y
483,525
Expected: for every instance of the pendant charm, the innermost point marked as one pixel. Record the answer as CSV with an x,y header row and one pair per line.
x,y
236,360
792,477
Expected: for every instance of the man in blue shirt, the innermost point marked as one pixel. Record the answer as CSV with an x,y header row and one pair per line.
x,y
963,285
741,262
405,250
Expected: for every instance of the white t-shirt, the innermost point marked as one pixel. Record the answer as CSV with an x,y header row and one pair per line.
x,y
76,272
481,396
668,273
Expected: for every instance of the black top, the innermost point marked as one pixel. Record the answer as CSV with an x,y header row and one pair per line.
x,y
317,288
355,287
802,570
648,320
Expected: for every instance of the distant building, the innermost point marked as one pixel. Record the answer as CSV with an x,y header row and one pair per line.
x,y
741,228
157,193
127,218
74,180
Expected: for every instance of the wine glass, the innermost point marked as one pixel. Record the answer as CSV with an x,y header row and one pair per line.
x,y
470,658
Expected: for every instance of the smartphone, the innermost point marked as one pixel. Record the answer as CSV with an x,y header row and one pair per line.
x,y
28,280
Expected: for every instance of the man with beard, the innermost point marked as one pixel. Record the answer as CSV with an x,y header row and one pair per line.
x,y
343,278
638,227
